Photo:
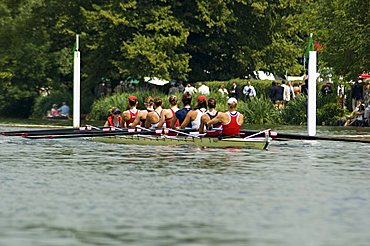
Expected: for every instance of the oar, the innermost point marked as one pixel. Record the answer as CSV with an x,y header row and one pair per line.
x,y
257,133
288,136
285,136
63,131
91,134
184,133
48,131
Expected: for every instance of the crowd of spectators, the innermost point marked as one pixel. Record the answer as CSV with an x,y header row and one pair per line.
x,y
280,93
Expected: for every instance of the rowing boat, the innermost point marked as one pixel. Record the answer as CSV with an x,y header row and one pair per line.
x,y
163,140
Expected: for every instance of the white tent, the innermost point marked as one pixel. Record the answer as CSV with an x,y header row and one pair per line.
x,y
264,75
156,81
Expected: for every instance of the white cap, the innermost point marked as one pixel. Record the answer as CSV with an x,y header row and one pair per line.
x,y
232,100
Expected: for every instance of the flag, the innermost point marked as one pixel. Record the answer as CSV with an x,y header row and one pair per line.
x,y
309,47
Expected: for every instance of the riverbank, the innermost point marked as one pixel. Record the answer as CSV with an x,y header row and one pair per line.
x,y
49,123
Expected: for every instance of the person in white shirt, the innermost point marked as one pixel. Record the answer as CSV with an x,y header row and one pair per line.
x,y
249,91
203,89
286,92
223,91
191,89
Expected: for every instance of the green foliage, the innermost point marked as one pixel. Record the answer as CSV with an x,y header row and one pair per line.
x,y
343,27
200,40
260,110
295,112
44,103
101,107
15,102
328,113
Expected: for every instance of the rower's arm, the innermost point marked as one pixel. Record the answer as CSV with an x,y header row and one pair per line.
x,y
186,120
148,120
162,119
137,120
241,119
125,117
203,122
173,122
219,118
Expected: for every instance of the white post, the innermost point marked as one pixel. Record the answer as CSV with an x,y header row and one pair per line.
x,y
311,110
76,85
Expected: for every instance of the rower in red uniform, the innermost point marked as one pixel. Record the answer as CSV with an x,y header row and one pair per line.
x,y
130,115
168,114
231,120
141,118
115,118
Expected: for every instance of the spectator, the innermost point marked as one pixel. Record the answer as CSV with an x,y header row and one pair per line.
x,y
120,88
273,92
366,95
358,116
64,110
286,92
296,89
108,89
53,112
279,96
223,91
356,94
181,87
248,91
234,91
191,89
367,116
304,87
203,89
291,90
173,90
326,89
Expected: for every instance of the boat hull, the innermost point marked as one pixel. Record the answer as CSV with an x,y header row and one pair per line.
x,y
234,142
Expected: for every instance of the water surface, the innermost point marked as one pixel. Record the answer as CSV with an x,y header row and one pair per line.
x,y
80,192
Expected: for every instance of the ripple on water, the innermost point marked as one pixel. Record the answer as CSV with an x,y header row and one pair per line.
x,y
79,192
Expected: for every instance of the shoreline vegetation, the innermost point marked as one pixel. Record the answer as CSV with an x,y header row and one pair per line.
x,y
258,111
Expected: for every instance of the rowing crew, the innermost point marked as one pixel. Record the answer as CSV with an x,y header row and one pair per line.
x,y
203,118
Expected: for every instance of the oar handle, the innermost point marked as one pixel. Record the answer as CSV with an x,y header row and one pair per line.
x,y
183,133
258,133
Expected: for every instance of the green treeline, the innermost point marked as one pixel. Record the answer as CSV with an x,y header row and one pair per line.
x,y
195,40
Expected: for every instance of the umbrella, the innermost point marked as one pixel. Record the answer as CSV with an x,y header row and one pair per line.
x,y
156,81
364,76
132,80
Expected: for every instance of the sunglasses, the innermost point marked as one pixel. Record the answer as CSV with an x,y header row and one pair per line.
x,y
116,113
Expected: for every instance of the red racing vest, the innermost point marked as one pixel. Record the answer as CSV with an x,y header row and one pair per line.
x,y
111,123
233,126
132,117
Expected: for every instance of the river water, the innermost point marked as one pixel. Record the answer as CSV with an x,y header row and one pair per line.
x,y
81,192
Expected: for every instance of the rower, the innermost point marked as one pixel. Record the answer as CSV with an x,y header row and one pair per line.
x,y
114,119
168,114
130,115
211,113
231,120
181,113
194,116
140,120
153,118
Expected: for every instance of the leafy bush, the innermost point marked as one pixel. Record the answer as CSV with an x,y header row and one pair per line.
x,y
329,114
260,110
295,112
44,103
